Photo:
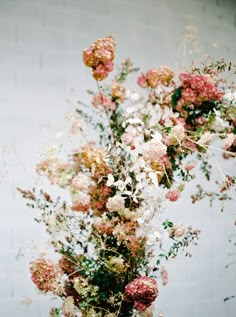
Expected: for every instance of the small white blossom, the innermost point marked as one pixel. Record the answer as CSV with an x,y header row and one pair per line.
x,y
219,124
134,121
110,180
231,96
205,138
153,237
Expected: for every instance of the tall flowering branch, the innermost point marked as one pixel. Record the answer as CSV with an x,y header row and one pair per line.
x,y
146,148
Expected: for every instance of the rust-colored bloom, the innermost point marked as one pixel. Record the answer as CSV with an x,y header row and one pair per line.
x,y
118,92
43,274
142,291
99,56
155,77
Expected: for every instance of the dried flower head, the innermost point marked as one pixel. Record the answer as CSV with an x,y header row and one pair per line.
x,y
43,274
142,291
99,57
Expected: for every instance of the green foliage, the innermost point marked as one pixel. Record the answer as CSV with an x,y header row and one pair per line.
x,y
167,224
176,96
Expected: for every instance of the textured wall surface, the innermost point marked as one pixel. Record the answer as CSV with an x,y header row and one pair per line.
x,y
40,65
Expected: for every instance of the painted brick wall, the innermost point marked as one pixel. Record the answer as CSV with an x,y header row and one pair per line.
x,y
40,66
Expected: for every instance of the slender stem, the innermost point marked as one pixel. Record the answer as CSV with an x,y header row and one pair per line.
x,y
107,115
120,306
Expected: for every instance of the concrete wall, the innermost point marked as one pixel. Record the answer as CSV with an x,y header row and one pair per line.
x,y
40,66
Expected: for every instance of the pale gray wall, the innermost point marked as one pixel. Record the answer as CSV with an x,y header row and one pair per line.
x,y
40,62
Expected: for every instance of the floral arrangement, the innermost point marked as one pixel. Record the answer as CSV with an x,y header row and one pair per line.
x,y
111,235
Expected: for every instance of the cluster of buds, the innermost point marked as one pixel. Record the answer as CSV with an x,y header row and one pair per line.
x,y
99,56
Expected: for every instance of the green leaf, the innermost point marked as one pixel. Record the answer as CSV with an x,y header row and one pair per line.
x,y
199,130
176,96
103,296
167,224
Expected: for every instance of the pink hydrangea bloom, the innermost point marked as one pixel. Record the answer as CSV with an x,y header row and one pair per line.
x,y
173,194
197,89
142,291
188,96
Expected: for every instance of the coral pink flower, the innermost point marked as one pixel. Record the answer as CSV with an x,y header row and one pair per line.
x,y
102,71
143,291
189,166
102,100
197,89
142,81
173,194
188,96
